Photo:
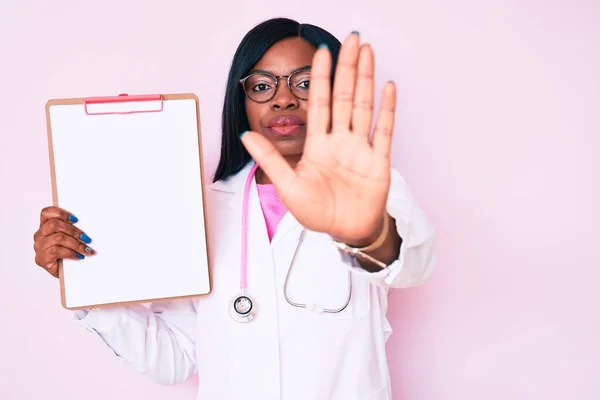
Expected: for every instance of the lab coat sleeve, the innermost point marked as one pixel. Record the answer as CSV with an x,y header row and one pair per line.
x,y
158,340
418,249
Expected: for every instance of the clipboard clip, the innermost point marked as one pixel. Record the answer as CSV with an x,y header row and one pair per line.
x,y
100,104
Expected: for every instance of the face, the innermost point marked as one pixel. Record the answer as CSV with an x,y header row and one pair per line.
x,y
282,119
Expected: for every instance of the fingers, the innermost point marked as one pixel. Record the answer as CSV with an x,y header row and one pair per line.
x,y
382,137
56,225
319,95
54,213
270,161
343,87
61,239
58,213
362,112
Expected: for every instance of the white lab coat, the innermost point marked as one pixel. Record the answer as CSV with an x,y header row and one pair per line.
x,y
287,352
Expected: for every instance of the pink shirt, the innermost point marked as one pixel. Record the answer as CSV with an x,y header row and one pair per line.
x,y
273,208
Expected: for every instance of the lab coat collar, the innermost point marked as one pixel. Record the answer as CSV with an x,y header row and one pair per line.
x,y
235,185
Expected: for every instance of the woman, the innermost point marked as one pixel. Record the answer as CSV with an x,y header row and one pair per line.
x,y
323,188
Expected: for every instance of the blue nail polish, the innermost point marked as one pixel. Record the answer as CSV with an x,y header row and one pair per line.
x,y
85,238
243,133
73,218
355,33
80,256
323,46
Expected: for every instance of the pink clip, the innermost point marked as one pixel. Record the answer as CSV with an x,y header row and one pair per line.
x,y
121,98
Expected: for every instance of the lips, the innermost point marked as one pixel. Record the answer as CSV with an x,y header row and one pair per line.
x,y
285,125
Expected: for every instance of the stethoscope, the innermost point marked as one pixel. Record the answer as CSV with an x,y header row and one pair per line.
x,y
242,307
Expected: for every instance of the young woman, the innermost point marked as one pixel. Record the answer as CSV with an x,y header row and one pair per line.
x,y
305,196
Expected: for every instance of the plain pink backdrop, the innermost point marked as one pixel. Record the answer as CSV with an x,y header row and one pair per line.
x,y
498,134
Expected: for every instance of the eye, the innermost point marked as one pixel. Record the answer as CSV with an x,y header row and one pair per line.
x,y
261,87
304,84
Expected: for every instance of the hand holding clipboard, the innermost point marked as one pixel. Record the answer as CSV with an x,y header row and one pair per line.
x,y
58,238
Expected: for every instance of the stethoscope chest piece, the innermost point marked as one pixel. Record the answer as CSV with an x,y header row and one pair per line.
x,y
242,308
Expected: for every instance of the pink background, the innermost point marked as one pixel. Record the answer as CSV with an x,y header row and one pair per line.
x,y
498,132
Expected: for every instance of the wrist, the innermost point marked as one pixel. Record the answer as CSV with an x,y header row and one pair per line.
x,y
370,243
376,249
367,240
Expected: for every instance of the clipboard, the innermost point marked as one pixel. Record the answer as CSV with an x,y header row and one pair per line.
x,y
130,168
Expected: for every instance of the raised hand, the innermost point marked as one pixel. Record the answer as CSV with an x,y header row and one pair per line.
x,y
58,238
341,184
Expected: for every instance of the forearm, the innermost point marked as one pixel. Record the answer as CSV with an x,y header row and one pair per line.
x,y
154,341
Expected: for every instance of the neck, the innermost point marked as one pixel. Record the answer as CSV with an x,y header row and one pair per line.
x,y
263,179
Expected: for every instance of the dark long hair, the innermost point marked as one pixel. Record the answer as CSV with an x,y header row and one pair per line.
x,y
234,120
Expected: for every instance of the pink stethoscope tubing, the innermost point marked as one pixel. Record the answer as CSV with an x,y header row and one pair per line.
x,y
241,307
244,260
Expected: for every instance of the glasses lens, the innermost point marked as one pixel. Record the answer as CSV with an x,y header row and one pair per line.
x,y
299,83
260,87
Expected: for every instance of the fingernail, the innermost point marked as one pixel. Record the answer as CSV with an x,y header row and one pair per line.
x,y
323,46
354,33
89,250
80,256
73,218
243,133
85,238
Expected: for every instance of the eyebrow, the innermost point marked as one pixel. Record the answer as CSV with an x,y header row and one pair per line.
x,y
304,68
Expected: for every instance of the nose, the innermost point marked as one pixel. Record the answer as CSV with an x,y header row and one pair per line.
x,y
284,99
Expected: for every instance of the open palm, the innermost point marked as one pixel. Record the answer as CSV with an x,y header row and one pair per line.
x,y
340,185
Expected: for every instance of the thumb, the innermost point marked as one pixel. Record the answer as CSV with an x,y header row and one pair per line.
x,y
269,159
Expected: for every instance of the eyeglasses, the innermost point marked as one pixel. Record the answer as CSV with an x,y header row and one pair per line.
x,y
262,86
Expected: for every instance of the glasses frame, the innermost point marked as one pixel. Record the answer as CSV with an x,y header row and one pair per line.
x,y
276,78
